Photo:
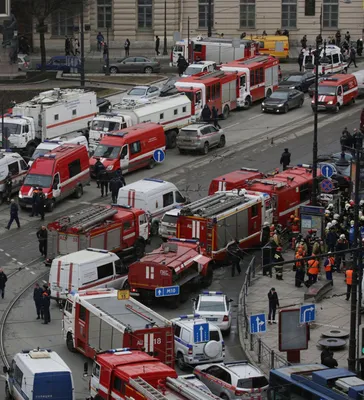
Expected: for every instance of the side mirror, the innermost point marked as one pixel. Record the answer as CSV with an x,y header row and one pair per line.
x,y
85,369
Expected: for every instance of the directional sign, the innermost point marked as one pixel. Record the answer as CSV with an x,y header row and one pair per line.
x,y
123,294
307,313
258,323
328,170
327,186
159,156
201,333
167,291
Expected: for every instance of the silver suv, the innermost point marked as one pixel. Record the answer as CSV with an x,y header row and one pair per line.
x,y
200,137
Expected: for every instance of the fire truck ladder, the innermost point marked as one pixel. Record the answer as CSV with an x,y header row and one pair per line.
x,y
191,209
270,182
217,208
169,348
146,389
87,217
215,74
189,390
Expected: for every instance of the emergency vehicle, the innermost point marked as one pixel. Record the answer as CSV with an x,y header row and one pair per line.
x,y
54,113
214,89
336,91
61,173
212,49
258,78
95,321
289,190
121,229
129,149
334,64
218,219
172,113
141,376
234,180
176,262
273,45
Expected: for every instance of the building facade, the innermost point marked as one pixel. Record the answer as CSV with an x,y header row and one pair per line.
x,y
141,20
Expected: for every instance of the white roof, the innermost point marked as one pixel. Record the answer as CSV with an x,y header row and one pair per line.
x,y
244,371
190,322
146,186
85,256
54,363
6,157
174,211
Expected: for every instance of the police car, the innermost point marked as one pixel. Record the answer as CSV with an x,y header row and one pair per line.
x,y
216,308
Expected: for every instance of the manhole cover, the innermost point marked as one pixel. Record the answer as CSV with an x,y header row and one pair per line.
x,y
332,343
335,333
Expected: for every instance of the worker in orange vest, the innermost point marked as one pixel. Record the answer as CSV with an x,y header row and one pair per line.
x,y
313,271
328,265
300,267
349,281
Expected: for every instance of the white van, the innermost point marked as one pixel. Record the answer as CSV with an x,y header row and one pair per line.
x,y
198,67
359,75
90,268
168,223
49,145
154,196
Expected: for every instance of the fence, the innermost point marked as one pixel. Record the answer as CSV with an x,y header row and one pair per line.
x,y
259,351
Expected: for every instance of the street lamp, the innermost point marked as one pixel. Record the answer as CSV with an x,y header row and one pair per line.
x,y
165,53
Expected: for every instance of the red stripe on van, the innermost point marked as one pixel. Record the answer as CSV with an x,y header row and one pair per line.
x,y
70,277
70,120
133,199
96,284
58,275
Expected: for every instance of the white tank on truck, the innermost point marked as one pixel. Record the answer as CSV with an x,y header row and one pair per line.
x,y
173,113
54,113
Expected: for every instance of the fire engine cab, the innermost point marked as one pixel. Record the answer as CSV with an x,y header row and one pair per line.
x,y
258,78
218,219
214,89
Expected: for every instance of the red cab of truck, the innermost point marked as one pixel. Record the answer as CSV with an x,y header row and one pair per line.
x,y
129,149
63,172
234,180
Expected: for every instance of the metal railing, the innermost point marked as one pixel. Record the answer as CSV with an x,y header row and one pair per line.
x,y
259,351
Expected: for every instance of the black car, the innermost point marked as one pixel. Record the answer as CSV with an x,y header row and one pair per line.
x,y
300,81
282,100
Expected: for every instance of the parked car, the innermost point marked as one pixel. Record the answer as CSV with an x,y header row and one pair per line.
x,y
24,62
282,100
300,81
62,63
141,94
134,64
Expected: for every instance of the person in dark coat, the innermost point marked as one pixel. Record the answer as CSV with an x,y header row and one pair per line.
x,y
215,117
331,239
326,352
182,64
3,280
352,57
104,182
157,43
359,47
42,236
115,184
285,159
273,304
14,214
127,47
67,45
304,42
35,200
41,204
119,174
338,38
37,297
300,60
98,167
319,39
8,187
46,303
206,113
235,254
265,234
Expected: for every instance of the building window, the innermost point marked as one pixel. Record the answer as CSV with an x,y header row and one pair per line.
x,y
289,14
310,6
145,13
104,14
330,13
247,14
62,23
203,13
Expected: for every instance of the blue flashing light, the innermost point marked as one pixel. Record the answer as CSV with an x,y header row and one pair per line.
x,y
73,292
183,316
183,240
113,351
153,180
17,116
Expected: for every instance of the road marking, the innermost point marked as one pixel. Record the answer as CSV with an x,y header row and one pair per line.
x,y
32,272
27,268
255,116
230,126
1,250
7,254
20,263
44,281
14,259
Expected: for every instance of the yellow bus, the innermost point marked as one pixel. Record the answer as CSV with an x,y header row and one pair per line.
x,y
274,45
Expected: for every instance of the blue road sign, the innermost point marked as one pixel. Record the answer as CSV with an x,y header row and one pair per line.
x,y
327,186
258,323
201,333
307,313
159,156
328,170
167,291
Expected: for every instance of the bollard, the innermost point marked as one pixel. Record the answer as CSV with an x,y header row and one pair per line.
x,y
259,350
272,359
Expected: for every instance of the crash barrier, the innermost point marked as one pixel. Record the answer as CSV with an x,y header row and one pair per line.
x,y
256,350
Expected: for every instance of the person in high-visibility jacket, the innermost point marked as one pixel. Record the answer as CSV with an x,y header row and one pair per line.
x,y
349,281
300,268
329,265
313,271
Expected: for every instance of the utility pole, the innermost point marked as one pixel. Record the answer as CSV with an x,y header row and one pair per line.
x,y
107,51
165,52
209,18
315,128
3,135
188,39
82,38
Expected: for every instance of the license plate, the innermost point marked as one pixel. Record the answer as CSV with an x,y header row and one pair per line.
x,y
211,319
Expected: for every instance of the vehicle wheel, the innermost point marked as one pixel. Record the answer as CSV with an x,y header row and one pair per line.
x,y
79,192
223,396
172,140
126,286
180,362
205,149
50,206
151,164
148,70
301,103
113,70
1,198
30,149
353,100
337,108
286,109
154,229
139,249
222,141
227,332
226,112
182,151
69,343
248,102
269,92
207,280
8,396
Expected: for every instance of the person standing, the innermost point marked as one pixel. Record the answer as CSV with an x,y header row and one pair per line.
x,y
67,46
359,46
304,42
328,265
14,214
42,236
235,255
352,57
182,64
349,282
278,268
41,204
98,167
300,268
104,182
215,117
265,234
46,303
76,47
347,37
105,53
3,280
157,43
313,271
300,60
8,187
35,196
100,41
127,47
206,114
273,304
37,297
115,184
285,159
341,244
338,38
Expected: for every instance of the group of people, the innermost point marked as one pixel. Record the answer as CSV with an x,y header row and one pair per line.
x,y
42,301
71,46
38,203
104,47
209,116
348,140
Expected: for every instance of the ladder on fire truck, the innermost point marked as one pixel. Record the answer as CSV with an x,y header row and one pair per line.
x,y
132,104
86,218
278,185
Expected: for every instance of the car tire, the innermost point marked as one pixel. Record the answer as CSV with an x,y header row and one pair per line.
x,y
148,70
301,103
154,229
151,164
222,141
113,70
171,140
1,198
299,88
181,151
227,332
139,249
353,100
78,191
207,280
286,109
181,362
224,396
269,92
205,149
248,102
226,112
126,285
69,343
8,395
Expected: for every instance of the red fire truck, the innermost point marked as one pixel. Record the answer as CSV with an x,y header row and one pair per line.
x,y
95,320
234,180
130,374
218,219
258,78
217,89
288,189
120,229
177,262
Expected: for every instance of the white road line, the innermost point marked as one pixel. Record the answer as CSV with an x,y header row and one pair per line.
x,y
32,272
27,268
226,127
20,263
1,250
44,281
7,254
255,116
85,202
14,259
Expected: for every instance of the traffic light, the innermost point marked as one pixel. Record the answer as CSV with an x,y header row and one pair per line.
x,y
361,342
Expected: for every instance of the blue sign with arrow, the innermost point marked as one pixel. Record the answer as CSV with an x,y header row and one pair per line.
x,y
201,333
258,323
328,170
167,291
159,156
307,313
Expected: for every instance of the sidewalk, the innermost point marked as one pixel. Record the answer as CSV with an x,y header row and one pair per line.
x,y
333,312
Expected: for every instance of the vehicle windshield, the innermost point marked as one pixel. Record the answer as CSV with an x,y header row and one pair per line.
x,y
105,126
294,78
190,96
218,306
43,181
11,128
137,92
278,95
170,219
327,90
192,70
188,132
106,151
252,383
40,152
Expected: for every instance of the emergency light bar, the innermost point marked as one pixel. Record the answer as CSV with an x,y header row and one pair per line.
x,y
153,180
212,293
189,316
183,240
113,351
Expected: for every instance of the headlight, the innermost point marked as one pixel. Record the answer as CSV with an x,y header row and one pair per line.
x,y
280,105
263,104
292,87
20,195
330,102
109,168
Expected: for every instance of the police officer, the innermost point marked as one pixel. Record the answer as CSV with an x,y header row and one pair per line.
x,y
235,255
206,114
35,202
104,182
97,168
116,183
182,64
42,236
215,117
46,303
37,297
273,304
285,159
41,203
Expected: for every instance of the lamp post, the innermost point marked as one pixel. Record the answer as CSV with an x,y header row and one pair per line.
x,y
82,39
165,53
107,51
209,18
